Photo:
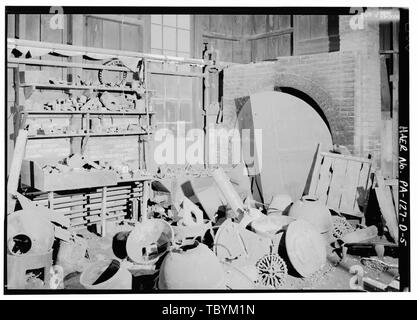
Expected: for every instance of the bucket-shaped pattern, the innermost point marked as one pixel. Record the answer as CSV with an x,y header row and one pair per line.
x,y
120,280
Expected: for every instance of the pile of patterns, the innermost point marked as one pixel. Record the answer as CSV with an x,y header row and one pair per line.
x,y
101,103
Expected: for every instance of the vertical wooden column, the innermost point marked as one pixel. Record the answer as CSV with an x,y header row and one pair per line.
x,y
51,200
19,141
145,141
75,36
144,201
135,208
18,71
20,26
103,211
197,24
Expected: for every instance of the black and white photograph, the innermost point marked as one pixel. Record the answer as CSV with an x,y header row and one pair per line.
x,y
206,149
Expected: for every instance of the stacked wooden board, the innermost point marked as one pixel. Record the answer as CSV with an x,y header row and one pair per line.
x,y
84,207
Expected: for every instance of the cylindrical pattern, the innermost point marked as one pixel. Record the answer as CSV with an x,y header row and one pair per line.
x,y
226,187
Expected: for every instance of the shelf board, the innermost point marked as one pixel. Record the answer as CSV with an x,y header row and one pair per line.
x,y
116,134
143,178
75,87
87,112
57,136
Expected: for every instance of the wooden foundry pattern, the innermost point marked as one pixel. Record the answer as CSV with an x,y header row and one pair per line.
x,y
342,182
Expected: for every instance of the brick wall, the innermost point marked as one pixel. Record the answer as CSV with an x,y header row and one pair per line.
x,y
364,42
47,148
328,78
113,148
344,84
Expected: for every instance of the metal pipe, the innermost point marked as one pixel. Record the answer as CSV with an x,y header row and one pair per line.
x,y
89,66
14,43
181,74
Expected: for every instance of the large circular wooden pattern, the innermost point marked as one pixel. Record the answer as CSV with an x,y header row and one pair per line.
x,y
291,131
305,248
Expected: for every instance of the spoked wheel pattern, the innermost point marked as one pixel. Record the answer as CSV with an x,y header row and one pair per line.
x,y
341,227
272,270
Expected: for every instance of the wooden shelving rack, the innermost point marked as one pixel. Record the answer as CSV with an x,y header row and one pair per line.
x,y
135,190
141,185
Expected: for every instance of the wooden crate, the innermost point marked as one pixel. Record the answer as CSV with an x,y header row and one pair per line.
x,y
33,176
342,182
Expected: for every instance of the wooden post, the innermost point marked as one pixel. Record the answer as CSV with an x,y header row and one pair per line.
x,y
20,136
144,201
146,139
51,200
76,37
103,211
135,209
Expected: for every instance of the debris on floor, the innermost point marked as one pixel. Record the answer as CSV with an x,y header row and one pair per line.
x,y
205,233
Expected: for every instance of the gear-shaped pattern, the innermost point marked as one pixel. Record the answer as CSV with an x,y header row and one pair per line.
x,y
116,63
341,227
272,270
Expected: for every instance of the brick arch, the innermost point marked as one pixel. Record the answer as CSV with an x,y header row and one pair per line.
x,y
321,97
336,121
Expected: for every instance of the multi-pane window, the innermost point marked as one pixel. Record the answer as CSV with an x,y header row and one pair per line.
x,y
172,101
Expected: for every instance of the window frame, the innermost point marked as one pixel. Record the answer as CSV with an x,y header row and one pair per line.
x,y
166,99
